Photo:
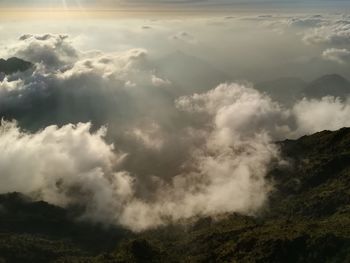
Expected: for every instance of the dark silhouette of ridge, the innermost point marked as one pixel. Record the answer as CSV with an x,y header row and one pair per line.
x,y
13,65
328,85
284,90
289,90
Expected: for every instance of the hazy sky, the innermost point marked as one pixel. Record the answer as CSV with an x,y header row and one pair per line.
x,y
179,4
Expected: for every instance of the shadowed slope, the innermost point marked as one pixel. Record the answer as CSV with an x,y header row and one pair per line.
x,y
13,65
306,220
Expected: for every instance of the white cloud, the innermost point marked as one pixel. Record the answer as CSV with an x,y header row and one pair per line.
x,y
339,55
159,82
8,86
64,166
335,33
149,135
243,108
329,113
52,50
185,37
226,173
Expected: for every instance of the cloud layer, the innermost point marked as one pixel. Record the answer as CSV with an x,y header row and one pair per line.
x,y
64,166
341,56
160,156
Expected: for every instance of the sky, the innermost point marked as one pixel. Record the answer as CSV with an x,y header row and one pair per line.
x,y
208,5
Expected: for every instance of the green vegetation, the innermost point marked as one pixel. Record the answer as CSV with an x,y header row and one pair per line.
x,y
307,219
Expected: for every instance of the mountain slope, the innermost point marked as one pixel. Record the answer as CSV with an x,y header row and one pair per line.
x,y
13,65
289,90
33,231
307,219
333,84
284,90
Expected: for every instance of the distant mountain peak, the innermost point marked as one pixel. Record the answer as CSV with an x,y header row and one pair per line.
x,y
328,85
13,65
332,77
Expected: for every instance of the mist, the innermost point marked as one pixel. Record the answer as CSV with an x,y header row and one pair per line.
x,y
151,122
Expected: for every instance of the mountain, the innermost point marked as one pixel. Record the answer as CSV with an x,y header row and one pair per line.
x,y
284,90
333,84
35,231
307,219
13,65
289,90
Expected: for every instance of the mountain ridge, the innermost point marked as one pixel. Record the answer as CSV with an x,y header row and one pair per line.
x,y
307,219
290,89
330,84
13,65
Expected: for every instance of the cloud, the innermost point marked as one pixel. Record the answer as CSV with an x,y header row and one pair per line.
x,y
52,50
281,23
340,56
118,89
310,21
329,113
72,166
185,37
71,86
336,33
158,82
149,136
9,86
243,108
161,158
64,166
224,173
322,29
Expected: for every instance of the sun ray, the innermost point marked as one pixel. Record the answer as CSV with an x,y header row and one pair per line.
x,y
64,4
79,4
